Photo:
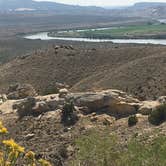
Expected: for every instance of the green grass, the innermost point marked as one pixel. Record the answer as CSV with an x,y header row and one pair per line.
x,y
139,29
119,32
100,148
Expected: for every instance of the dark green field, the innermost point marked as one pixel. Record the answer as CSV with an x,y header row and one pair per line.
x,y
135,31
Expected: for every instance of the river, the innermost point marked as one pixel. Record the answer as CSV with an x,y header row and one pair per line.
x,y
44,36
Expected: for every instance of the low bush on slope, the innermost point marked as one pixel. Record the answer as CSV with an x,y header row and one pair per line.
x,y
158,115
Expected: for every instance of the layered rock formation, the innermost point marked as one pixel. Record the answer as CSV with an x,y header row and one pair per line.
x,y
110,102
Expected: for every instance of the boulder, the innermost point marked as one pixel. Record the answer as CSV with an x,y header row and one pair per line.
x,y
103,119
36,106
162,99
19,91
56,47
30,106
113,102
3,98
63,93
148,106
40,107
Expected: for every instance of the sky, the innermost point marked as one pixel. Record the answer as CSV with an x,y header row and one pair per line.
x,y
103,2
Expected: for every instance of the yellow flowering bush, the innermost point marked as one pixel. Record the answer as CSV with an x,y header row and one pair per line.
x,y
11,152
44,162
3,130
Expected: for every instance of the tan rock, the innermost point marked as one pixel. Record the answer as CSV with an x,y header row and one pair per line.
x,y
7,107
106,119
103,119
63,93
110,101
148,106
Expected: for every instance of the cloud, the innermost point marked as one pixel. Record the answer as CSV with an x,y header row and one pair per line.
x,y
103,2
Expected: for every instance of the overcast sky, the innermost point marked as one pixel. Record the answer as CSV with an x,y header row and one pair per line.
x,y
103,2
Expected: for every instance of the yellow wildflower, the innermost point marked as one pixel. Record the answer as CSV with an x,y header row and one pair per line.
x,y
30,155
44,162
3,130
13,145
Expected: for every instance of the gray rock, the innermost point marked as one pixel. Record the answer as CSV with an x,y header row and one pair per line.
x,y
3,98
162,99
29,136
54,104
40,107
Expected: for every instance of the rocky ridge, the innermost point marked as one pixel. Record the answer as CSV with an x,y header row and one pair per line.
x,y
35,120
113,102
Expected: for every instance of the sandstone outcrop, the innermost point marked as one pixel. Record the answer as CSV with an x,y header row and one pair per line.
x,y
107,103
113,102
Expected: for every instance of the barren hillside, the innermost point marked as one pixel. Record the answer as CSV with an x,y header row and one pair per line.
x,y
138,69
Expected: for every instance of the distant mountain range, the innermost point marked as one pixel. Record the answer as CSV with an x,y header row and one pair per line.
x,y
149,4
144,9
30,5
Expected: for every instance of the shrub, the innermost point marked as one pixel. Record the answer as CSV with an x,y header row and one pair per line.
x,y
11,153
50,90
158,115
132,120
69,116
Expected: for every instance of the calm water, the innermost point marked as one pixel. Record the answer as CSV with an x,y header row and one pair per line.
x,y
44,36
